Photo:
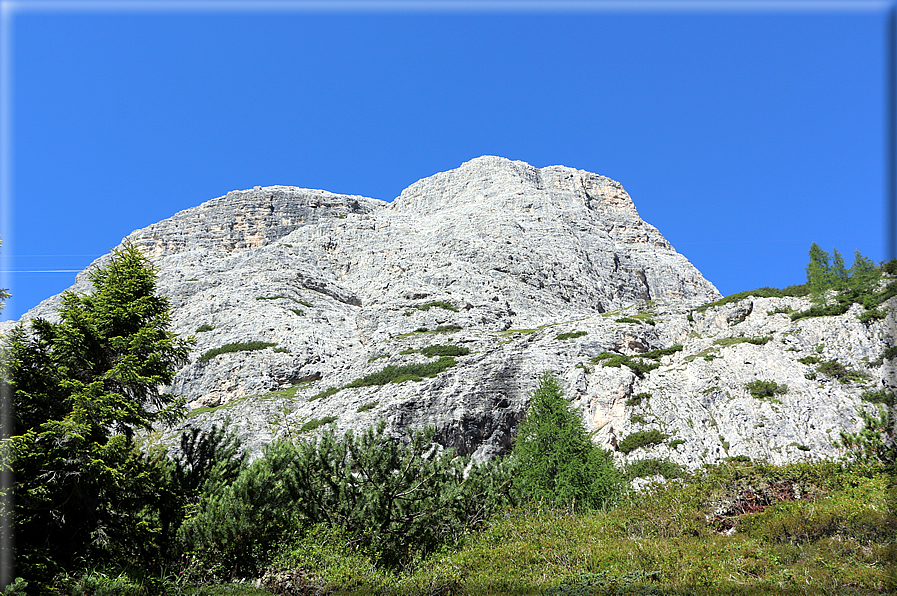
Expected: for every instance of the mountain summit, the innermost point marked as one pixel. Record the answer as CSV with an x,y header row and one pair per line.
x,y
443,308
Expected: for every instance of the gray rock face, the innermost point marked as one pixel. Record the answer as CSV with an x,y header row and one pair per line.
x,y
513,256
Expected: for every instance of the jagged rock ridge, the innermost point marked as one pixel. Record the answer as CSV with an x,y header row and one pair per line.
x,y
335,282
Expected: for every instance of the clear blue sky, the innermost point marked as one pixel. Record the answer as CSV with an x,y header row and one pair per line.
x,y
742,135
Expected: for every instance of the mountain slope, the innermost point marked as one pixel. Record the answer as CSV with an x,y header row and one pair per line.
x,y
346,286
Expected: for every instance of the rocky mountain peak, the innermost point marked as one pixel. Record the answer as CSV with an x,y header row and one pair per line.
x,y
490,184
513,269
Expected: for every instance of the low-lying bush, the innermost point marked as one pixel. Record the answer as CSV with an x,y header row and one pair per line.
x,y
645,468
437,304
408,372
642,438
235,347
571,335
765,389
843,374
444,350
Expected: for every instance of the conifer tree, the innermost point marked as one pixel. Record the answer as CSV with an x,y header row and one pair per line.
x,y
818,273
556,460
81,388
838,271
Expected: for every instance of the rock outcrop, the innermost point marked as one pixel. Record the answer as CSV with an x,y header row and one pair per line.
x,y
502,259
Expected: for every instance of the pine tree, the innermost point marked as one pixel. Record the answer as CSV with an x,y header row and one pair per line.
x,y
818,273
863,274
556,460
81,388
838,271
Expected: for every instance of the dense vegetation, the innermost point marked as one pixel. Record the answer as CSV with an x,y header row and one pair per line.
x,y
99,510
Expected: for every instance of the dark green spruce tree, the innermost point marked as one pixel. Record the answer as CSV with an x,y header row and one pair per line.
x,y
81,388
557,464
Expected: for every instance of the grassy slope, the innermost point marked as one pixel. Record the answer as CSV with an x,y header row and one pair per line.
x,y
832,540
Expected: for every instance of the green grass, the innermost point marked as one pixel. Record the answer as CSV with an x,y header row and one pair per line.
x,y
368,406
235,347
437,304
314,424
325,393
305,303
708,354
665,541
637,319
731,341
571,335
767,292
377,357
203,328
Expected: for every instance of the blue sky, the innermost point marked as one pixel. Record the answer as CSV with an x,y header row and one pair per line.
x,y
743,135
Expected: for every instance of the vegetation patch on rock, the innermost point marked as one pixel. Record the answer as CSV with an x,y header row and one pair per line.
x,y
248,346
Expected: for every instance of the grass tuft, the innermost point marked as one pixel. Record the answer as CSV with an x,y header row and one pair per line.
x,y
235,347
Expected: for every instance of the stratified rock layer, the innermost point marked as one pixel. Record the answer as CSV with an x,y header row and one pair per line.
x,y
514,256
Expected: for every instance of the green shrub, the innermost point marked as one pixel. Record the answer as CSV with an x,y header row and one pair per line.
x,y
635,363
731,341
765,389
314,424
765,292
448,328
281,351
843,374
421,330
821,311
235,347
408,372
437,304
645,468
203,328
675,443
881,396
571,335
642,438
809,360
391,499
325,393
368,406
443,350
637,399
628,320
637,419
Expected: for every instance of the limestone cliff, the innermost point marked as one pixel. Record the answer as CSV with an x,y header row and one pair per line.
x,y
505,257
